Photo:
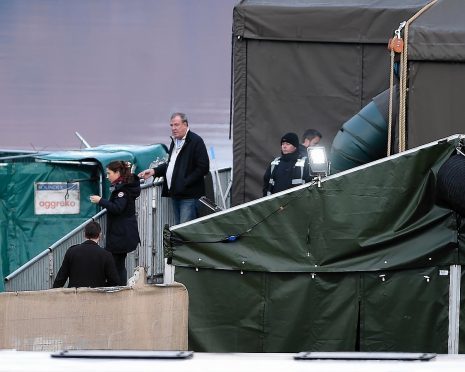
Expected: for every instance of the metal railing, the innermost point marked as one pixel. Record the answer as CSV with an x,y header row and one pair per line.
x,y
37,273
153,213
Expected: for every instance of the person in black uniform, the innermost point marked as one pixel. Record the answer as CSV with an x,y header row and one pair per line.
x,y
87,264
122,232
288,170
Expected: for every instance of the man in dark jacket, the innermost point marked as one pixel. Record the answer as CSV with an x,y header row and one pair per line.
x,y
311,137
188,163
288,170
87,264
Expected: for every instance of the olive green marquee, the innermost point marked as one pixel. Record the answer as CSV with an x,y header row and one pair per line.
x,y
301,64
27,229
366,261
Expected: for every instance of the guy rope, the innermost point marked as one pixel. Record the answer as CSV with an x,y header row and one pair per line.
x,y
399,45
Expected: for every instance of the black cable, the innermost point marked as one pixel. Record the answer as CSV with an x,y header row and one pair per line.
x,y
231,91
77,180
235,237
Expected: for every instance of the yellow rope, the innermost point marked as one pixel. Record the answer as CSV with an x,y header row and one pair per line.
x,y
403,78
391,89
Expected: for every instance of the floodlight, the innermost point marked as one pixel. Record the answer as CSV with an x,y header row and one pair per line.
x,y
317,160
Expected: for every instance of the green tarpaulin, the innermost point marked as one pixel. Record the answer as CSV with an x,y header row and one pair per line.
x,y
23,233
360,263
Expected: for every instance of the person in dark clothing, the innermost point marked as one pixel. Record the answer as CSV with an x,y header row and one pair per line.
x,y
122,232
288,170
311,137
87,264
184,173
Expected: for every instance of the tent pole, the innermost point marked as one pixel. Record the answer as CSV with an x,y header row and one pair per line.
x,y
454,309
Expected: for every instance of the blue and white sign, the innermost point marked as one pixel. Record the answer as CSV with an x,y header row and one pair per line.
x,y
56,197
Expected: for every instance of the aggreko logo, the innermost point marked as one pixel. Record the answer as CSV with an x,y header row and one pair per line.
x,y
53,204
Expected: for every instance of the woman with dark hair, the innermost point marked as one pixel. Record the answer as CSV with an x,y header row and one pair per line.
x,y
122,234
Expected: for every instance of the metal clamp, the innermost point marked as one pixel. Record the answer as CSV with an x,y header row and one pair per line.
x,y
401,26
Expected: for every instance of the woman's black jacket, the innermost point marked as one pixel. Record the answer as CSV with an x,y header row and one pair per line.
x,y
122,232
